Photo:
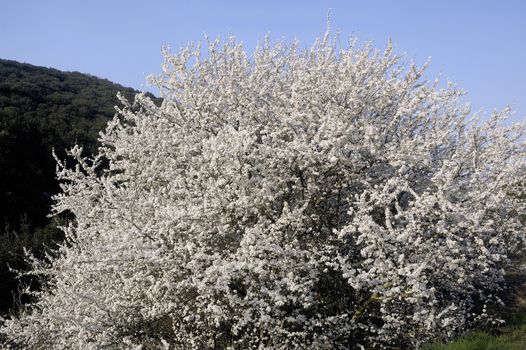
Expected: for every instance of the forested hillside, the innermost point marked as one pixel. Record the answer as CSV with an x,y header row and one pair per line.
x,y
41,109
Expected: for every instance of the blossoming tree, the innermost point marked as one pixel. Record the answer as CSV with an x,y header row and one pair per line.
x,y
324,198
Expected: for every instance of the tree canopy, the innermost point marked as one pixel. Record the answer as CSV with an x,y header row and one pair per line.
x,y
325,198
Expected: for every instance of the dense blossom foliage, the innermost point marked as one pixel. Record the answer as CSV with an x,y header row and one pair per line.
x,y
325,198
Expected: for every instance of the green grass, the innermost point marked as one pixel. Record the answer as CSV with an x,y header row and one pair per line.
x,y
511,337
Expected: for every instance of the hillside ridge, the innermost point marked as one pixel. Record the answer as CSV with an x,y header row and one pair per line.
x,y
42,109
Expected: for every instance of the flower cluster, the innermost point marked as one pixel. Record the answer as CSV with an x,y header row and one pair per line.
x,y
325,198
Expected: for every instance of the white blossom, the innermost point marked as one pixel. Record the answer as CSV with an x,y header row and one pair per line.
x,y
322,198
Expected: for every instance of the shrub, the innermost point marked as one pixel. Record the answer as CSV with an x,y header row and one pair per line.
x,y
324,198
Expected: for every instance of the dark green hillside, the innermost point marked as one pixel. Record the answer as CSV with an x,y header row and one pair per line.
x,y
41,109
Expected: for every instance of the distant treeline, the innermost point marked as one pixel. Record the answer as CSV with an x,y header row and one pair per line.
x,y
41,109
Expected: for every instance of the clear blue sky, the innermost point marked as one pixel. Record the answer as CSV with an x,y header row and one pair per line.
x,y
478,44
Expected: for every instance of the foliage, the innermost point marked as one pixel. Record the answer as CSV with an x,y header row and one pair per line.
x,y
12,258
41,109
326,198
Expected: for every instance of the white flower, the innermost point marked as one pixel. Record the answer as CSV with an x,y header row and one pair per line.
x,y
291,199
